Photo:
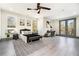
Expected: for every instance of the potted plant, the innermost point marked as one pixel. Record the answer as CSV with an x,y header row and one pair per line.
x,y
7,34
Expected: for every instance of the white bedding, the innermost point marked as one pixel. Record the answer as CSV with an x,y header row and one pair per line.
x,y
24,38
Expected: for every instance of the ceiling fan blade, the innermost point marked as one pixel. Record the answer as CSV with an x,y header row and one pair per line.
x,y
39,8
35,9
39,11
45,8
38,5
31,9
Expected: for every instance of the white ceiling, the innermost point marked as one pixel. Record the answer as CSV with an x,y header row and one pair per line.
x,y
58,10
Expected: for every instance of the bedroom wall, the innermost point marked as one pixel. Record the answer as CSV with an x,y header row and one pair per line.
x,y
55,25
53,22
0,23
42,28
40,25
4,15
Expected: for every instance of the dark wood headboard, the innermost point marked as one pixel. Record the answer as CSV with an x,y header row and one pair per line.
x,y
24,30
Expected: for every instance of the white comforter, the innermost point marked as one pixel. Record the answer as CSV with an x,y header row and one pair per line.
x,y
24,38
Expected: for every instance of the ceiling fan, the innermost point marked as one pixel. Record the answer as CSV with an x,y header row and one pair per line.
x,y
39,8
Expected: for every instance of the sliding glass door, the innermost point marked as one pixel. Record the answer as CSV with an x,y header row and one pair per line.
x,y
63,28
68,27
71,27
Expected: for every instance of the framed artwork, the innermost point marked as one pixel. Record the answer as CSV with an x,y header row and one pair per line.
x,y
22,22
11,22
28,22
10,30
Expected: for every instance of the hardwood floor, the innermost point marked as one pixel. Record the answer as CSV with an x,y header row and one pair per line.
x,y
7,48
51,46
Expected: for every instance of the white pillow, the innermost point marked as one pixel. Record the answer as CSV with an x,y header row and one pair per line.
x,y
26,32
22,32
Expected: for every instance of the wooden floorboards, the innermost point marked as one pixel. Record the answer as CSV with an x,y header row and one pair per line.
x,y
49,46
7,48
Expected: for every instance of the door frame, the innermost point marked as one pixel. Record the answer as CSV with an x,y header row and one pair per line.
x,y
66,28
